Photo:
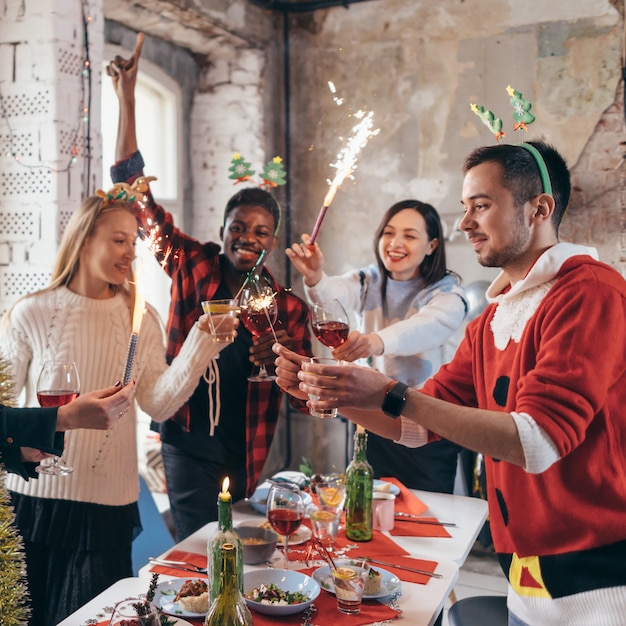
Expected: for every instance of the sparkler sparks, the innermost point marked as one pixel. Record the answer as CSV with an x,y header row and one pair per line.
x,y
346,160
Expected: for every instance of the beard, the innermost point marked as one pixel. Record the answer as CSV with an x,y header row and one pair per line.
x,y
514,248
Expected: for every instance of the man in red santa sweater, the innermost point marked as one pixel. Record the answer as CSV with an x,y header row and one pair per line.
x,y
538,386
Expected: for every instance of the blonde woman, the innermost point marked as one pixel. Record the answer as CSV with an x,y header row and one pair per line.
x,y
78,529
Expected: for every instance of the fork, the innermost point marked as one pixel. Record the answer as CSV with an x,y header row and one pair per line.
x,y
188,567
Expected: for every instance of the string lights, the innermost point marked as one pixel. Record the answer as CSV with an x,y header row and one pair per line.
x,y
84,122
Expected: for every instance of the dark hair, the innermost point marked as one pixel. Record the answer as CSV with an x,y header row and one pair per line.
x,y
433,267
521,175
255,196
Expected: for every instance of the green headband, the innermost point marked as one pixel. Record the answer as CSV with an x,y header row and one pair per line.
x,y
541,164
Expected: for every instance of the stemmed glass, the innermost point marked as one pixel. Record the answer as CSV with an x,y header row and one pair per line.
x,y
57,384
285,512
259,312
136,611
330,323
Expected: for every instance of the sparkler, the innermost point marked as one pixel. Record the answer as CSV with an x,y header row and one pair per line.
x,y
346,162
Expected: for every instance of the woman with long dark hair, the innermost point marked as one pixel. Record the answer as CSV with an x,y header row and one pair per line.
x,y
410,307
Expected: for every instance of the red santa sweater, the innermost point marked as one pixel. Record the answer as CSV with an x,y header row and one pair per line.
x,y
554,347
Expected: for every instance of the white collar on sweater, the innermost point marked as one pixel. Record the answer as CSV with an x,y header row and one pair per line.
x,y
517,306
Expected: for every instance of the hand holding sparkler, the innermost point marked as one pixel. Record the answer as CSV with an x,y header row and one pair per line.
x,y
346,162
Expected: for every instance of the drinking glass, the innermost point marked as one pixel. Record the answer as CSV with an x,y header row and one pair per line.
x,y
349,581
285,512
330,323
57,384
259,312
136,611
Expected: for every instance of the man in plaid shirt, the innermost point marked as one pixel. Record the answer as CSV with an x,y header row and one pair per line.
x,y
196,462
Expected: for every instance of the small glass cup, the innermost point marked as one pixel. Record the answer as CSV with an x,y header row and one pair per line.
x,y
349,581
222,315
323,413
331,492
325,524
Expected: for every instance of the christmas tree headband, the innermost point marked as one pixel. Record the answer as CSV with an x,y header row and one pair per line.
x,y
123,192
522,117
273,174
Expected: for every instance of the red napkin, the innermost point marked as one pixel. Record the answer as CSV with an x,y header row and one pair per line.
x,y
179,555
408,502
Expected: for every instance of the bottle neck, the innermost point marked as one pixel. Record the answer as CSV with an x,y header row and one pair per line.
x,y
228,576
224,514
360,446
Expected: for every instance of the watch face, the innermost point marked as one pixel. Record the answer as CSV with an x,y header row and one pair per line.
x,y
395,399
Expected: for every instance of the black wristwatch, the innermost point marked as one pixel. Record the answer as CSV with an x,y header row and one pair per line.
x,y
395,399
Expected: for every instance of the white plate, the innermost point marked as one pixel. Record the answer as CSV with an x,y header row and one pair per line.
x,y
302,535
392,488
389,584
164,597
287,580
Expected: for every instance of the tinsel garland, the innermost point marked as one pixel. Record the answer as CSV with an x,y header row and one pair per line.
x,y
14,609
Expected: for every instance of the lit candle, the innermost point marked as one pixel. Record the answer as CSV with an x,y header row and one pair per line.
x,y
225,494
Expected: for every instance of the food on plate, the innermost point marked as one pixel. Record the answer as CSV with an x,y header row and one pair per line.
x,y
272,594
193,596
382,487
374,582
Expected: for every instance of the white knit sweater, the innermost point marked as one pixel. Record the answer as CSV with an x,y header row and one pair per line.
x,y
63,325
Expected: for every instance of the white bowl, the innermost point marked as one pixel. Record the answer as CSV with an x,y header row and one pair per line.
x,y
258,500
287,580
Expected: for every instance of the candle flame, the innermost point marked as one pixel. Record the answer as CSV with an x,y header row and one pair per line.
x,y
225,484
140,302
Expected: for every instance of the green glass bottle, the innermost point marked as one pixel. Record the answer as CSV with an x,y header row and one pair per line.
x,y
224,534
229,608
359,490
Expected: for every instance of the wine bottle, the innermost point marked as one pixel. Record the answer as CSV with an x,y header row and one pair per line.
x,y
359,490
229,608
224,534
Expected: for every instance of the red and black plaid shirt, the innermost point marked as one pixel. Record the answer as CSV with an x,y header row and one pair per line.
x,y
194,268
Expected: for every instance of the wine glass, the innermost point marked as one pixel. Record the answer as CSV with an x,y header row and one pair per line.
x,y
259,312
285,512
330,323
57,384
136,611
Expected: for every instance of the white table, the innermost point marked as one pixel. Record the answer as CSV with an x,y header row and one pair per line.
x,y
421,604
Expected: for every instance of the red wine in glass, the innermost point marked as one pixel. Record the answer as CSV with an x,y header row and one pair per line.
x,y
285,512
285,521
58,384
330,323
257,322
55,398
331,334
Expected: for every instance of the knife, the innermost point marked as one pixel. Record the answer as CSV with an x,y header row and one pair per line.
x,y
404,567
188,567
408,517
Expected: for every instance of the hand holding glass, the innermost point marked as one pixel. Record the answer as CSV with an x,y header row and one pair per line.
x,y
285,512
57,384
323,413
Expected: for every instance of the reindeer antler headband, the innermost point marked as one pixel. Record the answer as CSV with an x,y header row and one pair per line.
x,y
523,117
